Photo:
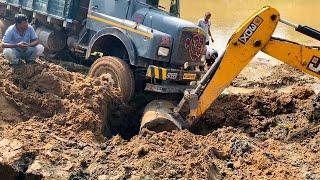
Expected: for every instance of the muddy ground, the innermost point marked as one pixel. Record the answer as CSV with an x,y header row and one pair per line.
x,y
266,126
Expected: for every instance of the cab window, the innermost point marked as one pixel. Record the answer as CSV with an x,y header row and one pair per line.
x,y
170,6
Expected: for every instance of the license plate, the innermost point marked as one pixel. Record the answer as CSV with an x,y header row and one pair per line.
x,y
172,76
188,76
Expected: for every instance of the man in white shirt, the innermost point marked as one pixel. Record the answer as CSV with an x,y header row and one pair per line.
x,y
20,41
205,24
210,55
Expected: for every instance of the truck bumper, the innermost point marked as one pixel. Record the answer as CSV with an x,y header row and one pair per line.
x,y
169,79
167,89
160,73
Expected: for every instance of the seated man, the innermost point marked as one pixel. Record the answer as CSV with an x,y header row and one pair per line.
x,y
21,42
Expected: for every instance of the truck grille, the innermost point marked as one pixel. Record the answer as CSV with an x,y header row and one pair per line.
x,y
191,46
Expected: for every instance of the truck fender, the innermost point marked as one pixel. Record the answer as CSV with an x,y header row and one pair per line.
x,y
118,33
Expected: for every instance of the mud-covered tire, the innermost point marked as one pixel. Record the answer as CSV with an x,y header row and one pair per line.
x,y
117,72
2,29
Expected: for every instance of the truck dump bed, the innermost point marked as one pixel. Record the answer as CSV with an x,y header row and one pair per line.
x,y
60,9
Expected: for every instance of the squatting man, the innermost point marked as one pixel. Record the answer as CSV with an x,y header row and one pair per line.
x,y
20,42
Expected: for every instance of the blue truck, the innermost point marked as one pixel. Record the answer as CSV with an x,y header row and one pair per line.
x,y
132,44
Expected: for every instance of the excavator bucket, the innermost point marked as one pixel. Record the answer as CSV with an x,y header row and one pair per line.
x,y
158,116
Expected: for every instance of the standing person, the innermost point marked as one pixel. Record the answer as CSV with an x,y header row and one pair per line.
x,y
20,41
205,24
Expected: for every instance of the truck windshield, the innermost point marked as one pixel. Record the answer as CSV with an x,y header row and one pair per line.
x,y
170,6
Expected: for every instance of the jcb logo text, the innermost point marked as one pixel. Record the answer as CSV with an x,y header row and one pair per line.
x,y
248,33
314,65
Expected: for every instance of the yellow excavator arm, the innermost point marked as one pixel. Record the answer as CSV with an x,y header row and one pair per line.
x,y
304,58
254,35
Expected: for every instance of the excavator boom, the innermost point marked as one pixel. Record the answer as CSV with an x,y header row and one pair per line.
x,y
244,44
254,35
304,58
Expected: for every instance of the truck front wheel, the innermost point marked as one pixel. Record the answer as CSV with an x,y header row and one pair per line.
x,y
116,72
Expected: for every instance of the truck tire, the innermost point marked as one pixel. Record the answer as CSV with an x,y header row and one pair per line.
x,y
4,24
117,72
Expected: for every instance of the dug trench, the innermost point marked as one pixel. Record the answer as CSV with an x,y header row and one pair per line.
x,y
52,127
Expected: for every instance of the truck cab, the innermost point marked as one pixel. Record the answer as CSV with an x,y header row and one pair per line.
x,y
164,47
133,44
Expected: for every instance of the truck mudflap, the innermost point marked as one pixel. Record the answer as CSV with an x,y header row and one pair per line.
x,y
160,73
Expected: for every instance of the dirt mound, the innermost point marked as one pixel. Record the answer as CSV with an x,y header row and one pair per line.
x,y
49,97
54,129
274,77
224,153
281,141
264,134
260,111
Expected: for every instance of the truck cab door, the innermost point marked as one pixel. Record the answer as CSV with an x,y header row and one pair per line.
x,y
115,8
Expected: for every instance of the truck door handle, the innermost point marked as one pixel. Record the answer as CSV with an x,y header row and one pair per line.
x,y
95,7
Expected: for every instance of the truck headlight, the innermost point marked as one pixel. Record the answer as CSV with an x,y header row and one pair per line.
x,y
162,51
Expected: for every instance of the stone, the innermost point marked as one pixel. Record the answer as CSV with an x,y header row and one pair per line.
x,y
103,177
15,145
35,166
4,142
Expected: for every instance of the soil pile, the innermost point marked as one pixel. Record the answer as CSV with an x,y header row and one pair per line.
x,y
53,129
48,93
262,75
260,135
